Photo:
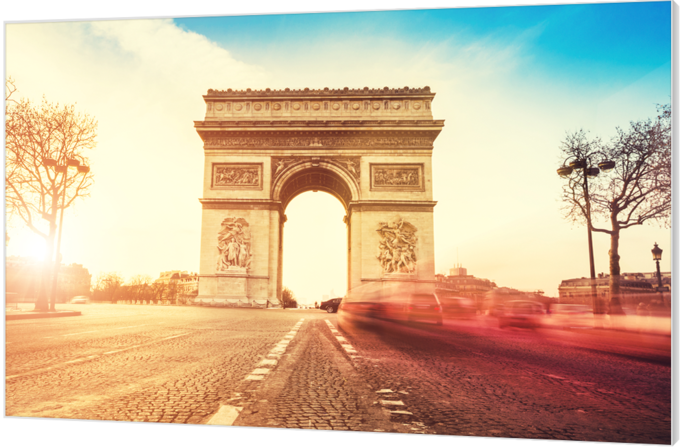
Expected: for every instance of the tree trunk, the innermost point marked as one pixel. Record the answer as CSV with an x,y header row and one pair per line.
x,y
614,266
42,304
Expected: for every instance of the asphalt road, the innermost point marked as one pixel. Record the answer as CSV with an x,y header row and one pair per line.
x,y
295,369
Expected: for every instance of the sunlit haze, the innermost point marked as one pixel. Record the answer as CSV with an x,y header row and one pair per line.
x,y
509,83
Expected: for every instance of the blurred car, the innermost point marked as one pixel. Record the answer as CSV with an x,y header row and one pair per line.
x,y
80,300
458,307
331,305
401,302
423,307
521,313
570,315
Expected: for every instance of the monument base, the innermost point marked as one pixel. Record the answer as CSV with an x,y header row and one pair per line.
x,y
233,288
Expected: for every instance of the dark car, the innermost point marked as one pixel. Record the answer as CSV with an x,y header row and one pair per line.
x,y
331,305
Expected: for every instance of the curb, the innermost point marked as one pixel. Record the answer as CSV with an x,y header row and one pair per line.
x,y
32,315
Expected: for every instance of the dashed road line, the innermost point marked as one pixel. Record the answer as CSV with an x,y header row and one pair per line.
x,y
263,368
90,357
226,415
353,354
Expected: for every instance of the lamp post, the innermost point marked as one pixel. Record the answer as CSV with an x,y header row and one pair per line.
x,y
656,255
61,169
584,165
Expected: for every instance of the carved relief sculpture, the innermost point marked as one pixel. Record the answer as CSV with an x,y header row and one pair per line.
x,y
233,244
236,175
397,247
280,164
352,165
397,177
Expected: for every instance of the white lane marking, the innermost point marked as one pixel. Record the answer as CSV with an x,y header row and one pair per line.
x,y
385,391
349,349
392,402
226,415
90,357
128,327
268,362
275,353
401,412
78,333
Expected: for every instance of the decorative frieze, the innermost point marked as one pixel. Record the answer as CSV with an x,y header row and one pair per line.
x,y
237,175
374,142
397,247
234,246
397,177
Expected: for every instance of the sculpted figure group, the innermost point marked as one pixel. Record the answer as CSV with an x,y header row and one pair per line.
x,y
396,177
227,176
396,249
233,243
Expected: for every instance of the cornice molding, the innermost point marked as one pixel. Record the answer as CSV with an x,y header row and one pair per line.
x,y
287,92
391,205
240,204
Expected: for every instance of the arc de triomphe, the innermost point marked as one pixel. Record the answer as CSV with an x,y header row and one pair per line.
x,y
370,148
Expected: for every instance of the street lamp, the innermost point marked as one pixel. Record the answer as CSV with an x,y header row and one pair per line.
x,y
584,165
61,169
656,255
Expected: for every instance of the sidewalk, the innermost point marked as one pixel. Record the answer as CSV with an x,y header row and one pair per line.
x,y
26,315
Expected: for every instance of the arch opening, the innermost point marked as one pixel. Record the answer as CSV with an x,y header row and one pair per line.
x,y
320,176
315,248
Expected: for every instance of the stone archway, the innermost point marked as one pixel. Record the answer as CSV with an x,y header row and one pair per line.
x,y
370,148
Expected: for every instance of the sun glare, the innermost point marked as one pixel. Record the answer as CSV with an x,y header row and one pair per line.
x,y
26,244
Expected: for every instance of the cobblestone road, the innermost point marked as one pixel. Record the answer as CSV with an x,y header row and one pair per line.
x,y
289,369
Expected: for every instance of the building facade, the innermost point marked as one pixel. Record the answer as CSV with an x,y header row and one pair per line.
x,y
459,283
184,283
23,276
634,287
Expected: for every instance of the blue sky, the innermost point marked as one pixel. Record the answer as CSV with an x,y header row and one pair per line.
x,y
595,44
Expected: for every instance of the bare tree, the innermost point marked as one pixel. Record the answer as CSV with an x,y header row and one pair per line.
x,y
637,190
159,289
106,285
32,189
138,287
